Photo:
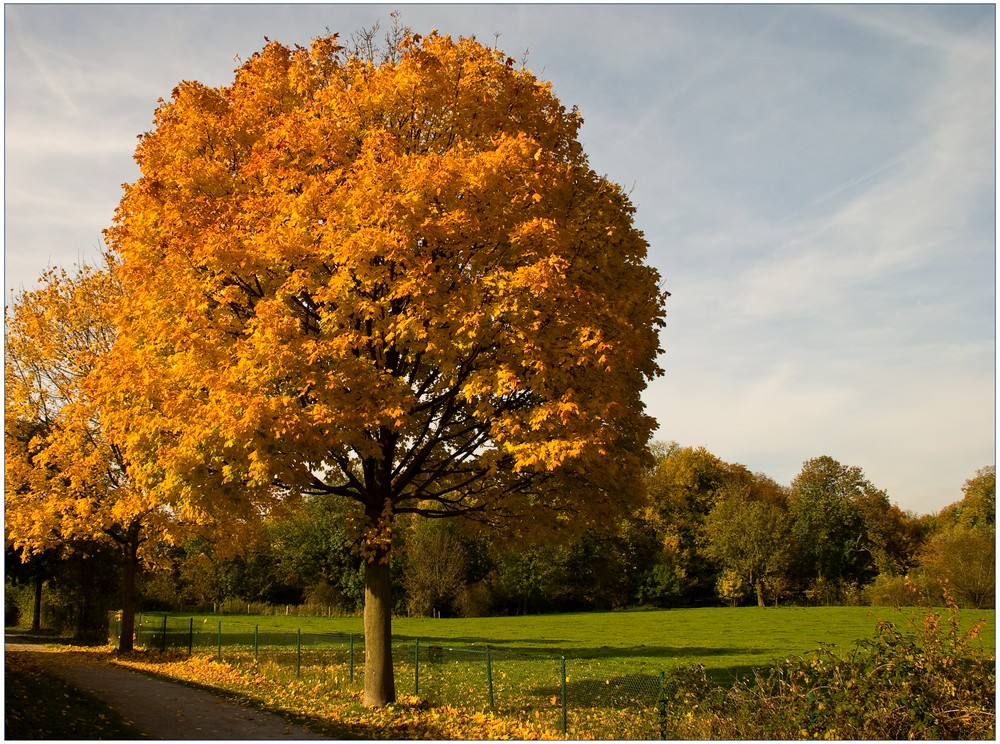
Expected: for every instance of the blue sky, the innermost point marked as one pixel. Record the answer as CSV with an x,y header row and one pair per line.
x,y
816,182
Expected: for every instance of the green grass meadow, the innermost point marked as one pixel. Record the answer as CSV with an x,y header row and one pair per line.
x,y
592,675
727,641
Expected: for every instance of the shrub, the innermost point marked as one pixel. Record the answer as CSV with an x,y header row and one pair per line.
x,y
435,569
964,558
890,590
823,592
11,605
474,600
731,587
935,682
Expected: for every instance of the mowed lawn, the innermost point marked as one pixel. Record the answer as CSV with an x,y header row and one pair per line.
x,y
727,641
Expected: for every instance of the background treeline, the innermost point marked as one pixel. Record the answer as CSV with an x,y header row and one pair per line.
x,y
709,532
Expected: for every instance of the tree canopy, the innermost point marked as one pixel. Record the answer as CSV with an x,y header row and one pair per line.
x,y
750,536
68,483
978,506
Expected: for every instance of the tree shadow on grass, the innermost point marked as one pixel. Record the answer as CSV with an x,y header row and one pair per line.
x,y
556,647
47,636
654,652
512,644
727,676
630,691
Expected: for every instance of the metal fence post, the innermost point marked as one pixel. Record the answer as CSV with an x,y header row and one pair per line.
x,y
163,641
416,667
489,674
352,657
661,705
256,642
137,633
298,653
563,694
219,639
190,636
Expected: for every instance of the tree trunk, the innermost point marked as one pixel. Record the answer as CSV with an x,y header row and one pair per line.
x,y
36,616
760,593
130,568
380,687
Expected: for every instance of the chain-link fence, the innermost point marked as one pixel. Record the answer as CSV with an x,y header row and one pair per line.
x,y
574,697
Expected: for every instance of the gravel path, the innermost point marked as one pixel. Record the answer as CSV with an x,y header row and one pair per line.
x,y
163,710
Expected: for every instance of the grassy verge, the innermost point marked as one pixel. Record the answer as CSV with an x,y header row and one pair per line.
x,y
308,700
38,706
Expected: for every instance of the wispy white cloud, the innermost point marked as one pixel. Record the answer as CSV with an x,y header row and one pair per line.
x,y
55,70
899,212
44,140
919,26
848,325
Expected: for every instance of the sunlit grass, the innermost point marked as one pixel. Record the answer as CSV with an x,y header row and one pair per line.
x,y
443,672
727,641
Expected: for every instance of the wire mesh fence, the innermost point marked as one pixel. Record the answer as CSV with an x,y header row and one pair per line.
x,y
575,697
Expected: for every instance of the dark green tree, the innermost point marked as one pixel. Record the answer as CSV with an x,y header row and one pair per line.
x,y
828,503
317,552
750,538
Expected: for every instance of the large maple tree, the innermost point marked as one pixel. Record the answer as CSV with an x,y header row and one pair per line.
x,y
395,280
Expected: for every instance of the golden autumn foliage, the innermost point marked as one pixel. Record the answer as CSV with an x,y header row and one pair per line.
x,y
408,265
67,482
72,475
65,479
400,283
67,473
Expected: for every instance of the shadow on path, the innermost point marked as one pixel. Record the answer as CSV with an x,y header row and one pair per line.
x,y
169,710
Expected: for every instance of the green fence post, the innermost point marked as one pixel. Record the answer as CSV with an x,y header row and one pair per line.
x,y
298,653
256,642
563,694
352,657
190,636
219,639
416,667
489,674
661,705
163,641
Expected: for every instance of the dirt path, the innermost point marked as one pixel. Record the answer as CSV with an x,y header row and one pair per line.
x,y
163,710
